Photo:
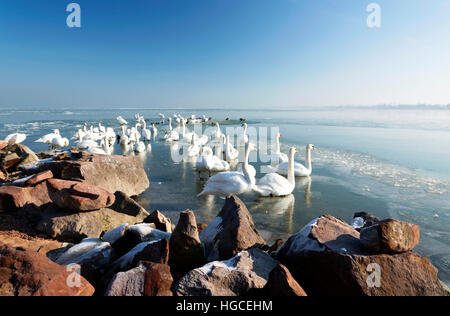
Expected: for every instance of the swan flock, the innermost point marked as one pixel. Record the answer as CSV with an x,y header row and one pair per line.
x,y
214,155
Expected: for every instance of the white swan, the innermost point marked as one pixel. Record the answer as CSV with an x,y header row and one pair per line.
x,y
229,183
273,184
154,130
48,138
59,142
299,169
277,156
243,138
231,153
16,138
105,150
139,146
146,133
121,120
194,149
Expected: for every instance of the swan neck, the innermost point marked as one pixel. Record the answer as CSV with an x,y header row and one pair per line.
x,y
277,143
308,159
291,171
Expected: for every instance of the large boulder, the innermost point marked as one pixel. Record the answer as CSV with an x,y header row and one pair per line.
x,y
92,255
73,226
27,273
328,259
247,271
148,279
79,196
155,251
391,236
161,222
282,283
186,251
13,198
230,232
112,173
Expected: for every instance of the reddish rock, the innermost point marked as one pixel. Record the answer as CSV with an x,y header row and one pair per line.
x,y
157,252
328,259
391,236
38,178
3,176
230,232
10,160
3,144
27,273
281,283
14,198
79,196
158,279
112,173
161,222
186,251
201,227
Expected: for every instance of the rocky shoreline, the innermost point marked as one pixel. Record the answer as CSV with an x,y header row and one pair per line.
x,y
76,211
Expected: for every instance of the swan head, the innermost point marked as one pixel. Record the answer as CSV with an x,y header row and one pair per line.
x,y
311,147
252,147
293,151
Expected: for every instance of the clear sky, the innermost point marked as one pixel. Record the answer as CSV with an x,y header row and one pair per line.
x,y
223,53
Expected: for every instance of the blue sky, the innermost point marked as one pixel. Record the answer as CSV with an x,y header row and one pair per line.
x,y
223,53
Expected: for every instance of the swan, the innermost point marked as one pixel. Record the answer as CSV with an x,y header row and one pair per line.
x,y
124,139
171,135
48,138
244,137
105,150
231,153
154,130
121,120
146,133
277,156
273,184
194,149
139,146
205,162
101,128
299,169
16,138
59,142
219,164
229,183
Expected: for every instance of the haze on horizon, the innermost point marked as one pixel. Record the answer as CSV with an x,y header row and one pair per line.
x,y
224,53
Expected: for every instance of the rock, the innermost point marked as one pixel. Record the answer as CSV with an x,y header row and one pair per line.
x,y
281,283
156,251
112,173
16,239
148,279
328,259
79,196
127,205
3,176
186,251
3,144
230,232
27,273
115,234
276,245
158,279
161,222
129,283
391,236
25,153
93,255
10,161
13,198
362,220
72,226
38,178
249,270
201,227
